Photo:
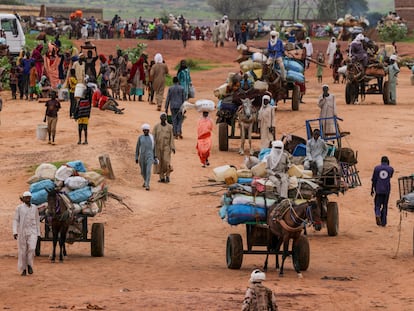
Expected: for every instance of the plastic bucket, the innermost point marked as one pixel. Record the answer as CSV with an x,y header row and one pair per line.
x,y
80,90
41,132
63,94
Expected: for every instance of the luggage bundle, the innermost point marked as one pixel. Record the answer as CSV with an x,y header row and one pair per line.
x,y
83,192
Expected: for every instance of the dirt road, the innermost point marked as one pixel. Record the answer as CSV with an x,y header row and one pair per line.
x,y
169,253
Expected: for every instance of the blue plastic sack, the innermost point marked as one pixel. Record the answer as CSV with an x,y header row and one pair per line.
x,y
39,197
80,195
77,165
295,76
294,65
46,184
241,213
300,150
244,180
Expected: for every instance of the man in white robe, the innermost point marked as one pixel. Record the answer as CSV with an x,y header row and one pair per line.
x,y
277,166
26,230
327,104
316,151
266,117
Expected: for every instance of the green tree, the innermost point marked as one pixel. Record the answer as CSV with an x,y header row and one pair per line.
x,y
239,9
333,9
393,32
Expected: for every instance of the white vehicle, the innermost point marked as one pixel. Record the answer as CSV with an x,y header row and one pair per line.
x,y
15,38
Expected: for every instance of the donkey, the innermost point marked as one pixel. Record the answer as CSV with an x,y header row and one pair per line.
x,y
58,217
286,221
246,114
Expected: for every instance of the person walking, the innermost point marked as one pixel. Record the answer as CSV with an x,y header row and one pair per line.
x,y
258,296
204,141
330,51
183,75
51,116
327,104
175,99
309,51
393,71
137,77
337,62
157,76
82,115
144,154
266,118
26,230
164,146
381,187
72,81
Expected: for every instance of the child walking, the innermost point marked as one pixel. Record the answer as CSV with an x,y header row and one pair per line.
x,y
72,85
32,81
321,63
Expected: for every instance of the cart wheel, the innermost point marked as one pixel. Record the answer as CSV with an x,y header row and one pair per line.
x,y
223,136
295,98
351,93
234,251
97,241
386,93
332,220
303,253
37,250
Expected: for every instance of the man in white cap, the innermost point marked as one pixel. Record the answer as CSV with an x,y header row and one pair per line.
x,y
258,296
393,71
26,230
164,145
276,52
266,118
277,165
144,154
327,104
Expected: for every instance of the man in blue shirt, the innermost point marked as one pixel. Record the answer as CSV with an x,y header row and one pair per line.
x,y
276,52
381,186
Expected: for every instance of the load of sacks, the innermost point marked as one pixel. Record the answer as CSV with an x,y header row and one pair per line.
x,y
239,205
81,190
251,64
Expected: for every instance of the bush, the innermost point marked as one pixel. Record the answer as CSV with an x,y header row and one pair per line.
x,y
393,32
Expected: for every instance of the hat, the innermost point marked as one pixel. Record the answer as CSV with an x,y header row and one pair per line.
x,y
145,126
257,276
325,85
274,33
393,57
360,37
266,97
27,194
81,55
163,114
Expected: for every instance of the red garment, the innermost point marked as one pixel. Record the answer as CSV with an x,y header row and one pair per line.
x,y
138,65
102,100
204,141
38,58
95,97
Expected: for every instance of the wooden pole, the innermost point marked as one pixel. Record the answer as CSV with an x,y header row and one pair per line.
x,y
106,166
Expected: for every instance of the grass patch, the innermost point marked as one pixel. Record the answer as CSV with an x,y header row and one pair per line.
x,y
198,64
31,42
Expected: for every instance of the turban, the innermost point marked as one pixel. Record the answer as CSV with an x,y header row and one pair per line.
x,y
145,126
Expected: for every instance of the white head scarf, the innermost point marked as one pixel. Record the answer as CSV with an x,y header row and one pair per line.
x,y
393,57
274,34
27,194
275,153
145,126
257,276
265,97
158,58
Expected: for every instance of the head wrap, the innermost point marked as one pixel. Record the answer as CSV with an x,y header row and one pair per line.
x,y
102,58
276,153
158,58
257,276
359,37
393,57
27,194
325,85
274,35
145,126
163,114
265,97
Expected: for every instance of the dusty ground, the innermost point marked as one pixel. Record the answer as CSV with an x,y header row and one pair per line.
x,y
169,254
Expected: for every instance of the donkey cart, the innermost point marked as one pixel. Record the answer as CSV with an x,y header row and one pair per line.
x,y
258,235
366,82
78,232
